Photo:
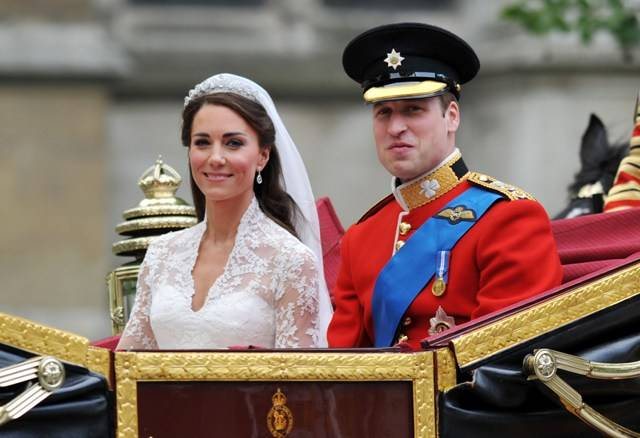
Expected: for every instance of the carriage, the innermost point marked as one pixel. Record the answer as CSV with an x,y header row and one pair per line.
x,y
564,363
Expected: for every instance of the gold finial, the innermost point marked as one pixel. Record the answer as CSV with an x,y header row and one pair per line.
x,y
160,210
159,181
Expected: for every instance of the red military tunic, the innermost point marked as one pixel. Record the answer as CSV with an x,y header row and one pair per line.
x,y
507,256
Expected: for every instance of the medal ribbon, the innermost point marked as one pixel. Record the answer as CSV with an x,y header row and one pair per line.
x,y
443,265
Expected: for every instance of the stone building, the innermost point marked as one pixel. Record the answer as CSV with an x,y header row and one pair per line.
x,y
91,93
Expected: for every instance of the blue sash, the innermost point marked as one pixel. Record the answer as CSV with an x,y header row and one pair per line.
x,y
412,267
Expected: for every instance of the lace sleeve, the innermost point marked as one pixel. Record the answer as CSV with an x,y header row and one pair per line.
x,y
297,303
137,334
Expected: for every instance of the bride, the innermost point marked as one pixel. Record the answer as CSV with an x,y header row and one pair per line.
x,y
250,272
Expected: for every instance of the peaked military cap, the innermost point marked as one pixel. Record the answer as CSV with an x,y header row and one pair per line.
x,y
409,60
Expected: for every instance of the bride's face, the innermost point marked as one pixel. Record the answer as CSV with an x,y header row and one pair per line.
x,y
224,154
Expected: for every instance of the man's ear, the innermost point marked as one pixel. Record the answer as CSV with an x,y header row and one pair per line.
x,y
452,116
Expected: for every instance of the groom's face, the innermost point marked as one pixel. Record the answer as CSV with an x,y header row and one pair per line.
x,y
414,135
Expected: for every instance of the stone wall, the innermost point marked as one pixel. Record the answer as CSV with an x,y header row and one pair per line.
x,y
52,243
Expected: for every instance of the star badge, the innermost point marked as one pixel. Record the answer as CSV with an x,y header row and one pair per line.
x,y
394,59
440,322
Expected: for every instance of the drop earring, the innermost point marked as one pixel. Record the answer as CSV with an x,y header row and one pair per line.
x,y
259,178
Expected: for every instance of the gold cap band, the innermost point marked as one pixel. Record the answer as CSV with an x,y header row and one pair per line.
x,y
404,91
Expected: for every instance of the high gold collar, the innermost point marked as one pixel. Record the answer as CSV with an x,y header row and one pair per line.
x,y
431,186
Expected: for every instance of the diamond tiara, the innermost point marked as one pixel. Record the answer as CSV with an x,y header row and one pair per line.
x,y
221,83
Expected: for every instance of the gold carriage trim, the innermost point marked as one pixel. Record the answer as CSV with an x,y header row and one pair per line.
x,y
65,346
549,315
445,369
131,367
512,192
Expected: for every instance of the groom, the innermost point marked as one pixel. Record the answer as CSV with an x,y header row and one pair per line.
x,y
447,245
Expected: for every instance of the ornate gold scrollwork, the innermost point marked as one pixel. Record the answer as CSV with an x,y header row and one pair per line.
x,y
515,329
544,364
50,374
417,368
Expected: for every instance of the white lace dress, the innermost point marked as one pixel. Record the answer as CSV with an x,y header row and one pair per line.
x,y
266,296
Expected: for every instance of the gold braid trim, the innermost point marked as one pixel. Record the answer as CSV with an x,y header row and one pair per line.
x,y
507,190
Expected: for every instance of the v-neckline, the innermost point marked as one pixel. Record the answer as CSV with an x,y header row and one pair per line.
x,y
196,249
215,282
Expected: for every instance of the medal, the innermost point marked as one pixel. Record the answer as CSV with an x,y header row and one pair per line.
x,y
440,283
439,286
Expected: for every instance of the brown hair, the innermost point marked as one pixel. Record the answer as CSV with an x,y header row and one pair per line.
x,y
445,99
273,200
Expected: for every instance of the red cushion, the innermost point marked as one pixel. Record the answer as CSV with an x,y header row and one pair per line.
x,y
331,231
591,242
109,343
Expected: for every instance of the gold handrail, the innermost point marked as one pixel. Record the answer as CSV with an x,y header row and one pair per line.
x,y
544,364
50,374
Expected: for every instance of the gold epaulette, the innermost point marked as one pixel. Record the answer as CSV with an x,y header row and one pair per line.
x,y
512,192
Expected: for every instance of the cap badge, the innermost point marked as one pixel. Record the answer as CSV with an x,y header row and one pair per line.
x,y
394,59
429,187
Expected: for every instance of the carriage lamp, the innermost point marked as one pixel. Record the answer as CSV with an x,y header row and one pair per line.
x,y
159,212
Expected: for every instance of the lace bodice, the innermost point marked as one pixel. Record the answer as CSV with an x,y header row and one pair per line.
x,y
267,294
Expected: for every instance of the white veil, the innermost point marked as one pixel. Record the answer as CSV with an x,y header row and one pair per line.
x,y
295,175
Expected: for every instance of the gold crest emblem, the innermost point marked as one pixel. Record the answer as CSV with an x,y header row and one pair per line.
x,y
280,418
457,214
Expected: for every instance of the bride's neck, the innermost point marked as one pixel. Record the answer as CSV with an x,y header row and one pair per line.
x,y
223,218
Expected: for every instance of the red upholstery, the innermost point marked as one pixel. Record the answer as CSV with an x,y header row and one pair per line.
x,y
588,243
110,343
331,231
